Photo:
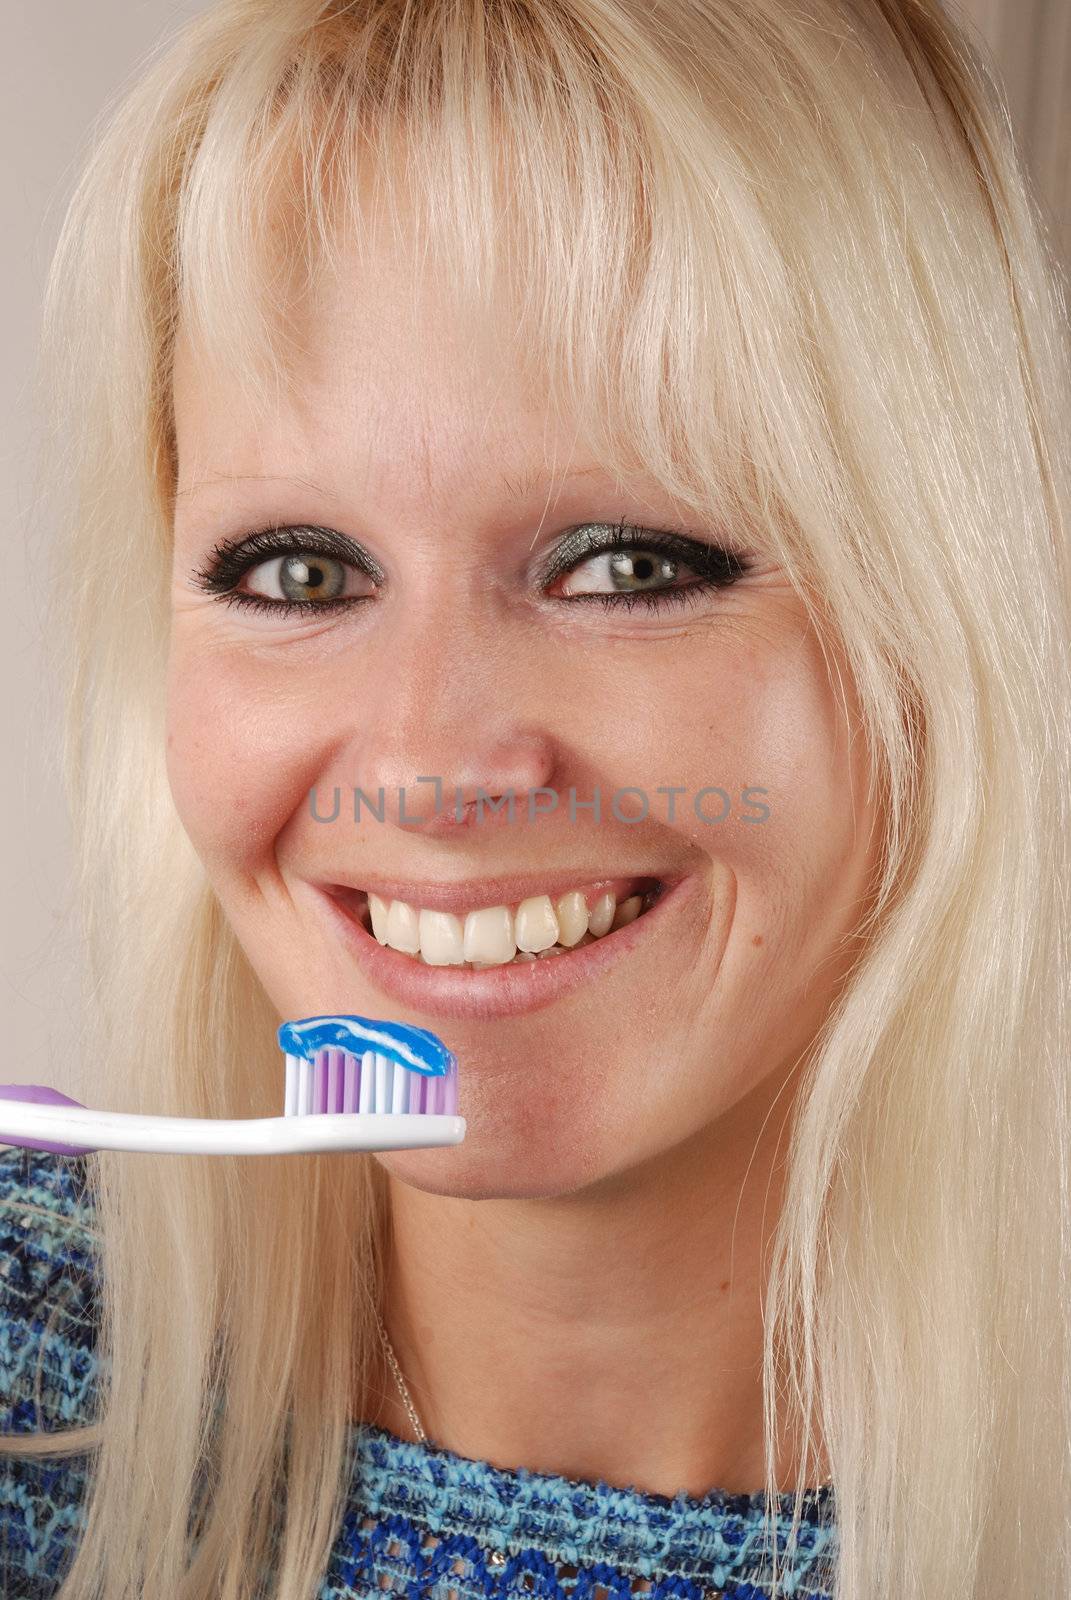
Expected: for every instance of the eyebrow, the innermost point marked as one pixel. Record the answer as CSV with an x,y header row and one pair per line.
x,y
249,477
514,492
537,475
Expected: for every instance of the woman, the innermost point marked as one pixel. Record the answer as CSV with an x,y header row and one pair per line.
x,y
654,415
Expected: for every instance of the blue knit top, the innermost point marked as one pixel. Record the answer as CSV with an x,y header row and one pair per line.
x,y
420,1521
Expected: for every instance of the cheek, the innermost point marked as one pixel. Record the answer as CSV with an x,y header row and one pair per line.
x,y
772,733
242,754
804,871
679,725
751,735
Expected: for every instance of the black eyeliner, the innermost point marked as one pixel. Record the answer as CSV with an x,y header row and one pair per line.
x,y
232,558
715,563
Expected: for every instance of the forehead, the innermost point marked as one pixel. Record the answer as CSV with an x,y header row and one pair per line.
x,y
388,375
369,328
393,376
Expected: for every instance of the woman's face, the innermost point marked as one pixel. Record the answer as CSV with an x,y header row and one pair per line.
x,y
454,656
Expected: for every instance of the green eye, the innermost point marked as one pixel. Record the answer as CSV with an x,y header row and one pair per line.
x,y
290,570
304,576
628,571
630,566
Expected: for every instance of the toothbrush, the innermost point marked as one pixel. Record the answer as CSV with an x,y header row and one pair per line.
x,y
352,1083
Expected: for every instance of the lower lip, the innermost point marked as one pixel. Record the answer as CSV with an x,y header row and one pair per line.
x,y
506,991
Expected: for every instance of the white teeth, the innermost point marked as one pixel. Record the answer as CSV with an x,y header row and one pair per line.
x,y
602,915
489,936
441,939
494,936
536,924
379,910
403,927
572,911
627,911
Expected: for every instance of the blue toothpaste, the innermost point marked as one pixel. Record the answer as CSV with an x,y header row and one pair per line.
x,y
416,1048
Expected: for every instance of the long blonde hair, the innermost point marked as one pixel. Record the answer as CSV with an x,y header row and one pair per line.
x,y
783,255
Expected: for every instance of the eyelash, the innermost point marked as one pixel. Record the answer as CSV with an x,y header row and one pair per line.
x,y
717,567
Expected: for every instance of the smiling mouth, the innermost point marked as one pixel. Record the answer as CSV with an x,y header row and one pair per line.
x,y
538,928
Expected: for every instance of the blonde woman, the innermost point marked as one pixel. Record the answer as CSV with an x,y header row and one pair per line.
x,y
658,408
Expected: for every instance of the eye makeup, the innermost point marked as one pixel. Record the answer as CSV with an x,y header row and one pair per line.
x,y
629,551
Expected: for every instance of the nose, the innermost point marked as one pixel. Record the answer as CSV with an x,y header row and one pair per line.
x,y
477,777
452,724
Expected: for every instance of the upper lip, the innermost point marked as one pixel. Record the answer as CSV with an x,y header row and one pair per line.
x,y
474,893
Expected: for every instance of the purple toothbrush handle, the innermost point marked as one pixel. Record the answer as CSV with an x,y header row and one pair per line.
x,y
40,1094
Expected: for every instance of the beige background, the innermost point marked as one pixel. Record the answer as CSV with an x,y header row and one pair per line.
x,y
1032,43
65,60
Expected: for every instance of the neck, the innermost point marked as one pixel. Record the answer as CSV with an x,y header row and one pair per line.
x,y
614,1333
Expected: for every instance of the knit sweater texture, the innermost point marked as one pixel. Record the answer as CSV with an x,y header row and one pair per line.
x,y
420,1521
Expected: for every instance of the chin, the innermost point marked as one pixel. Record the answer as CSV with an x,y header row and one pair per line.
x,y
514,1170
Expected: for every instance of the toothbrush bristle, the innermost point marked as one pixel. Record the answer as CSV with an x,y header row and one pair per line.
x,y
334,1080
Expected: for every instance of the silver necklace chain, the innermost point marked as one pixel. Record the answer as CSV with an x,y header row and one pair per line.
x,y
407,1399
